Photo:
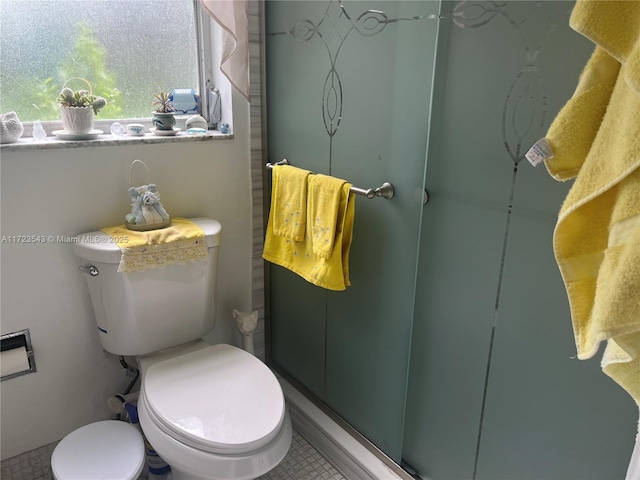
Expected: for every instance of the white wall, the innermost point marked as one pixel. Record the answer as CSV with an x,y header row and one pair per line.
x,y
75,190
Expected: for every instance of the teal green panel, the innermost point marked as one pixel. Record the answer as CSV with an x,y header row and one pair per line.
x,y
382,137
298,324
296,71
296,131
352,100
468,179
368,328
547,415
539,399
459,260
503,71
297,309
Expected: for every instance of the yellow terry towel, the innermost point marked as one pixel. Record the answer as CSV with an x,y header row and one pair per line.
x,y
331,272
324,202
183,241
614,26
596,138
289,201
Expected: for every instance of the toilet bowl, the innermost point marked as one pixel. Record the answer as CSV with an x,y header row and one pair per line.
x,y
213,412
109,450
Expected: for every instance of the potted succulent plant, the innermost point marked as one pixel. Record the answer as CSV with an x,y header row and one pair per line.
x,y
163,117
78,108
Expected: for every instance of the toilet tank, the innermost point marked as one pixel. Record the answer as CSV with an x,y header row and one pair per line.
x,y
143,312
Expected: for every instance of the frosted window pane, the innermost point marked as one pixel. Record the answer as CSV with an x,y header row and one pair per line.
x,y
127,49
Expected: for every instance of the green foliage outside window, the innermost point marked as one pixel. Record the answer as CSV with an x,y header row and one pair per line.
x,y
121,47
36,98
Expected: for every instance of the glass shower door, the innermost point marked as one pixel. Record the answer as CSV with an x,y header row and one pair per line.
x,y
492,391
348,88
450,351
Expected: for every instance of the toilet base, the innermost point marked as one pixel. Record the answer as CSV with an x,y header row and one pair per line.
x,y
188,463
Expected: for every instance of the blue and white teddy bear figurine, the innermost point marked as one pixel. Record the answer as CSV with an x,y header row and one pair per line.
x,y
146,206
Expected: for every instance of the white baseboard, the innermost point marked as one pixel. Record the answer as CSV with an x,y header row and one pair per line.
x,y
351,458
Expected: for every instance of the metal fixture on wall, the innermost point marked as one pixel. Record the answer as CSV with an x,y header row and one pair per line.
x,y
385,190
16,355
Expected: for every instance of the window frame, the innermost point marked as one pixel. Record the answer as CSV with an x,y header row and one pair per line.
x,y
207,53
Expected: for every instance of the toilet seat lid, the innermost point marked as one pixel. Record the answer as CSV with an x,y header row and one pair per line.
x,y
219,399
101,450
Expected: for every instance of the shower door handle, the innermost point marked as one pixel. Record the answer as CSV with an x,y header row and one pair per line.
x,y
421,195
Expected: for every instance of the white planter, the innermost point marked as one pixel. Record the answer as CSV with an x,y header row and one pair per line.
x,y
77,119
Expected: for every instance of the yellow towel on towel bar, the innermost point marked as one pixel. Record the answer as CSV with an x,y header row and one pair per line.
x,y
289,201
330,272
323,204
596,138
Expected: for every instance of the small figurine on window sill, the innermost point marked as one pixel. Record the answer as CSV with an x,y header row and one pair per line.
x,y
11,129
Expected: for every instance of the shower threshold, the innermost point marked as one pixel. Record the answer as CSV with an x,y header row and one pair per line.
x,y
347,450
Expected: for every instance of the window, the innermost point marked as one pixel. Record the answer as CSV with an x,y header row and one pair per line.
x,y
127,49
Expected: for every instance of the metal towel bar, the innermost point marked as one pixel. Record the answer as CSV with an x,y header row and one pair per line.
x,y
385,190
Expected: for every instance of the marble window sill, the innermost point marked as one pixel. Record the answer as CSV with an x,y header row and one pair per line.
x,y
108,140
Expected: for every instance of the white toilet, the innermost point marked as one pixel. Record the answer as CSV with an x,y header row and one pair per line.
x,y
210,411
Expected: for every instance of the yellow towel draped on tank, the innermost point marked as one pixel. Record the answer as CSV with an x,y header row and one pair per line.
x,y
183,241
322,256
596,139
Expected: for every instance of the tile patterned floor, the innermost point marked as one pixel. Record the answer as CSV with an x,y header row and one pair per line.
x,y
33,465
303,462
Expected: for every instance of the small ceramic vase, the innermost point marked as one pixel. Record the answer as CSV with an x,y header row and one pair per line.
x,y
163,121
